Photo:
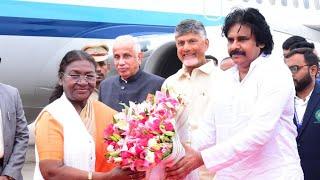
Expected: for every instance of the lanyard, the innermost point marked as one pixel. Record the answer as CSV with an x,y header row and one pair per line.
x,y
299,123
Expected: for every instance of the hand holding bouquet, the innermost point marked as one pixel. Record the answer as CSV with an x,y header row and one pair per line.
x,y
143,135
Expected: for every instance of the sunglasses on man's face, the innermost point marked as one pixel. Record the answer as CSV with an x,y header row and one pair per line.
x,y
296,68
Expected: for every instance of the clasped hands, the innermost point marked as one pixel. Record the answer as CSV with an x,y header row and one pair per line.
x,y
191,161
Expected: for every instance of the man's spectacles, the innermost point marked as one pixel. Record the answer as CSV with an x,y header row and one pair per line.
x,y
90,78
296,68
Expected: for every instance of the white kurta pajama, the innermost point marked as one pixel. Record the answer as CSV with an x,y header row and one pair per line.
x,y
255,134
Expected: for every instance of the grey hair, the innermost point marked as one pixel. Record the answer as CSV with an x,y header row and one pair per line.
x,y
129,39
190,26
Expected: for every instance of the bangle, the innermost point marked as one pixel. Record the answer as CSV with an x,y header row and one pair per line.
x,y
89,175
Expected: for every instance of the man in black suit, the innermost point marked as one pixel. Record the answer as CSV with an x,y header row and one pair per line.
x,y
303,63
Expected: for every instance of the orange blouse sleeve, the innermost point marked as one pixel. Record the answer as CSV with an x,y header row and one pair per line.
x,y
49,138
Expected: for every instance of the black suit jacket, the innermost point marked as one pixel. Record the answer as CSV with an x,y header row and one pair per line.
x,y
308,138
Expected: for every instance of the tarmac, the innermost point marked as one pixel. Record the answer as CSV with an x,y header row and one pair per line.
x,y
27,171
28,168
30,162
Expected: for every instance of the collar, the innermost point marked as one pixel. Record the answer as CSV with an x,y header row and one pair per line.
x,y
206,68
259,60
132,78
297,99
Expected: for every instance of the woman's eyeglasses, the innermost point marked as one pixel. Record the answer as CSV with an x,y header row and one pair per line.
x,y
90,78
296,68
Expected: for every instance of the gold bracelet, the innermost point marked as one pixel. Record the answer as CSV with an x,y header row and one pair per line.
x,y
89,175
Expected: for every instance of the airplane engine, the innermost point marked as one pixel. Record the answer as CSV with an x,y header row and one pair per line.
x,y
163,61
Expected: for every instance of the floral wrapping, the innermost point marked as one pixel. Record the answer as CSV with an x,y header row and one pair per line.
x,y
143,137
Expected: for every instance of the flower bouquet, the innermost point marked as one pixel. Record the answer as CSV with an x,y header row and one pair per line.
x,y
143,135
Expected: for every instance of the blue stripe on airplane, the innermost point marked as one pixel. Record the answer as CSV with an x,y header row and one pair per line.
x,y
11,8
61,20
78,29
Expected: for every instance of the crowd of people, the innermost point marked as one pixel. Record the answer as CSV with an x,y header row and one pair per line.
x,y
255,117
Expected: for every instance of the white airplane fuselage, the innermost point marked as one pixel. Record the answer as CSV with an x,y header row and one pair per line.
x,y
35,34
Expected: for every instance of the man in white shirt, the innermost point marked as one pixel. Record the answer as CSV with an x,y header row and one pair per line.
x,y
253,110
303,63
193,83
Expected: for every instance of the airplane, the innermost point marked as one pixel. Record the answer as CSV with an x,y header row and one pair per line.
x,y
35,34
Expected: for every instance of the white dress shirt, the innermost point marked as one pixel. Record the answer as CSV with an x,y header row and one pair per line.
x,y
197,92
255,134
1,137
300,107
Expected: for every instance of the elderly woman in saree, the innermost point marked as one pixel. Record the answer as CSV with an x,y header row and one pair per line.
x,y
69,131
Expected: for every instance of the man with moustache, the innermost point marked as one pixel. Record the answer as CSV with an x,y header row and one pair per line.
x,y
252,112
100,54
303,63
191,82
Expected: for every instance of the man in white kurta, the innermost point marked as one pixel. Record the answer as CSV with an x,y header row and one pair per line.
x,y
255,134
252,112
192,83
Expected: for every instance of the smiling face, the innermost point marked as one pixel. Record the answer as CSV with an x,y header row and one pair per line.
x,y
78,91
191,48
126,59
242,45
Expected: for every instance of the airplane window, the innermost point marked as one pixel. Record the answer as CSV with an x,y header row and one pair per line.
x,y
306,4
272,2
259,1
284,2
316,4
